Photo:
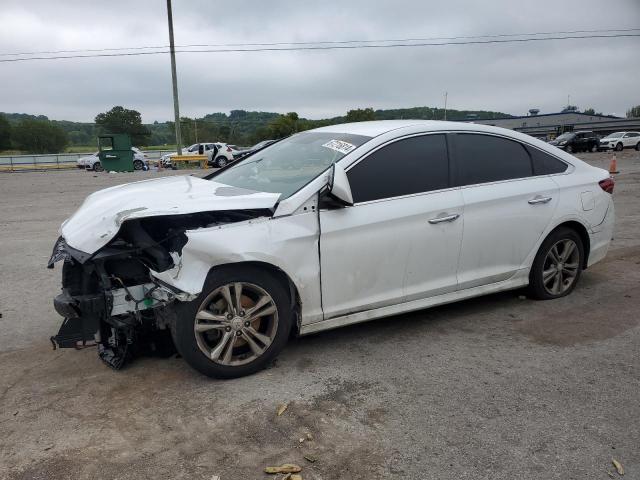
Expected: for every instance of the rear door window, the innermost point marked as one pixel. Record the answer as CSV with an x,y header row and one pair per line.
x,y
486,158
407,166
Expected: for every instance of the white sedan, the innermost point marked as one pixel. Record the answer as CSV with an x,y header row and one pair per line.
x,y
92,162
328,227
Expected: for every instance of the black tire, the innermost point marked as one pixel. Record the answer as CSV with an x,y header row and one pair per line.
x,y
97,167
536,287
184,335
570,149
594,148
221,161
638,146
619,147
138,165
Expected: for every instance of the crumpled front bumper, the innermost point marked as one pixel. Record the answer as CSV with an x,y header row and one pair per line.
x,y
82,315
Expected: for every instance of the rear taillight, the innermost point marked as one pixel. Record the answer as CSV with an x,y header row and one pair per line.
x,y
607,184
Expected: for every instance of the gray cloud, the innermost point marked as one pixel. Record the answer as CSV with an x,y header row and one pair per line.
x,y
602,73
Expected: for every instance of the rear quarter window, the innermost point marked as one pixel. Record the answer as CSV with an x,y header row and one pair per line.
x,y
545,164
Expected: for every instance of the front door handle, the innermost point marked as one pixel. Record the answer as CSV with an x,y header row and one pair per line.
x,y
446,218
538,199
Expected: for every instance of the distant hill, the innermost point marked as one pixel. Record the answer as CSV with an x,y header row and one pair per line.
x,y
242,127
16,117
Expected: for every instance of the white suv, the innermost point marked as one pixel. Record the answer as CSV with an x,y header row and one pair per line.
x,y
190,150
222,156
619,140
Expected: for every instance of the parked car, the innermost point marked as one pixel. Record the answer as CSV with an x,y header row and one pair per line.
x,y
248,151
317,231
222,155
619,140
92,162
584,141
195,149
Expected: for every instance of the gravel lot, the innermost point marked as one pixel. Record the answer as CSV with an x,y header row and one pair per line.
x,y
500,387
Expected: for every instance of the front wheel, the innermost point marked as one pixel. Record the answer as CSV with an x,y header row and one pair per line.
x,y
221,161
237,325
138,164
619,147
570,149
638,146
557,266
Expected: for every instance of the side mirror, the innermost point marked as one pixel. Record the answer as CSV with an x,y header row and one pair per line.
x,y
338,191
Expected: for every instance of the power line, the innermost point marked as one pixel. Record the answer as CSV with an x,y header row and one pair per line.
x,y
269,44
327,47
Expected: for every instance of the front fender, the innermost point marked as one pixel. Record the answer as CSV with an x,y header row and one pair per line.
x,y
289,243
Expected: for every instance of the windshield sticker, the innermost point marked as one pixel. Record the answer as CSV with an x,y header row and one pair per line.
x,y
339,146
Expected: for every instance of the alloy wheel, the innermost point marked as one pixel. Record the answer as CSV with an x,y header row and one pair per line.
x,y
561,266
236,323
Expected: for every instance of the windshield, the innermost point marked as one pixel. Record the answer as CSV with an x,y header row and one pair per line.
x,y
288,165
565,136
615,135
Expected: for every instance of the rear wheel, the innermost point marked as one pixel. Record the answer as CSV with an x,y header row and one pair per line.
x,y
97,167
221,161
237,325
594,148
557,266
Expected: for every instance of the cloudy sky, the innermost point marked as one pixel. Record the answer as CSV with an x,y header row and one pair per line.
x,y
599,73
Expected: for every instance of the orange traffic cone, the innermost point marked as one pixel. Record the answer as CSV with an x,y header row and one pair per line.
x,y
613,166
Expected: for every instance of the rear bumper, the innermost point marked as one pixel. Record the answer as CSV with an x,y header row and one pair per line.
x,y
601,238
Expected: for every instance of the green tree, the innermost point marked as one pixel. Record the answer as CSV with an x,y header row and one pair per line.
x,y
360,115
284,125
123,120
5,133
39,136
589,111
634,112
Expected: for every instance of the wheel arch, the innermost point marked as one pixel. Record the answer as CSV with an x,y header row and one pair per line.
x,y
582,231
280,275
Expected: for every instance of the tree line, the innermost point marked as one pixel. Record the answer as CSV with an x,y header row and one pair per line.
x,y
38,134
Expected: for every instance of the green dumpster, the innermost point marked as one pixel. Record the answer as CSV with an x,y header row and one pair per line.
x,y
114,152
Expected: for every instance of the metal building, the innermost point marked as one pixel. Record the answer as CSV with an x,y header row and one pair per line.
x,y
550,125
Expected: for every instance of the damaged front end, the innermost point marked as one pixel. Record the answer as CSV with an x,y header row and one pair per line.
x,y
110,297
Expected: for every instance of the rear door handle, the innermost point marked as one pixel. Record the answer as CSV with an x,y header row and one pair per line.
x,y
538,199
446,218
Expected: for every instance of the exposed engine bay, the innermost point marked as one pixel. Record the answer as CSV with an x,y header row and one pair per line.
x,y
111,299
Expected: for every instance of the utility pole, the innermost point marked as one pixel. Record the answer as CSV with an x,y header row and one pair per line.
x,y
174,79
445,105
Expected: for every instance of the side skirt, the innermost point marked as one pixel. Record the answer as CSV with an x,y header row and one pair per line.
x,y
519,280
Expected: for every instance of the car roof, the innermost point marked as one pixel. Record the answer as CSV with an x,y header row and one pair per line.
x,y
379,127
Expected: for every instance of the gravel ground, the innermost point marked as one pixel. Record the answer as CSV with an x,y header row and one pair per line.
x,y
499,387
